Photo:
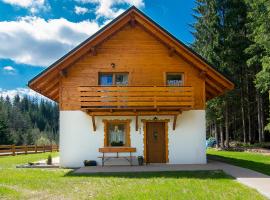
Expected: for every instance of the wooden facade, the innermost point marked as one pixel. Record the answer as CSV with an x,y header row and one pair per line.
x,y
135,45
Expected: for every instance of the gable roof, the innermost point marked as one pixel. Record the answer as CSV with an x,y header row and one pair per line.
x,y
47,82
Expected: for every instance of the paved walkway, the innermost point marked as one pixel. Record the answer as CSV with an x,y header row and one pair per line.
x,y
247,177
253,179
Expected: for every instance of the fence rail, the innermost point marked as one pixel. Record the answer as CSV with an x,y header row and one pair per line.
x,y
7,150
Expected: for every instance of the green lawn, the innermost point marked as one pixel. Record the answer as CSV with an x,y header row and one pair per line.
x,y
254,161
62,184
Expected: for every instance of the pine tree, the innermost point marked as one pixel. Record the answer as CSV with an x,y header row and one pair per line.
x,y
259,50
4,134
222,37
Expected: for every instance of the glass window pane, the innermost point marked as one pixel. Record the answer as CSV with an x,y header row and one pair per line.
x,y
121,79
106,79
116,134
174,79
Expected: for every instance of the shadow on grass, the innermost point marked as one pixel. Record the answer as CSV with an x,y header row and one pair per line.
x,y
213,174
256,166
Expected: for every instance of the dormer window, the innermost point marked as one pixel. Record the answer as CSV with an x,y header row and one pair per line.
x,y
113,79
174,79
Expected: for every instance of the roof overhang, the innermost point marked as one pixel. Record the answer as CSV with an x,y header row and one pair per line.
x,y
47,82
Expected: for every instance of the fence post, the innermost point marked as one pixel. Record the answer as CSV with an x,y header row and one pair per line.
x,y
13,149
51,148
43,148
25,149
35,148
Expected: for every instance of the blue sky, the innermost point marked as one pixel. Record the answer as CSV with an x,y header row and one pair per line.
x,y
35,33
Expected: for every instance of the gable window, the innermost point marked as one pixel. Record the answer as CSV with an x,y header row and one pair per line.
x,y
113,79
117,133
174,79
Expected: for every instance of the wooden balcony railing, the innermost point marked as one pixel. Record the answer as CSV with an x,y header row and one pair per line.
x,y
110,97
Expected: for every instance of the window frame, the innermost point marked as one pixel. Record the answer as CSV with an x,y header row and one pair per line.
x,y
113,77
117,121
174,73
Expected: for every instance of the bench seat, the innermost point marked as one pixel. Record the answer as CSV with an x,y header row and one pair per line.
x,y
117,150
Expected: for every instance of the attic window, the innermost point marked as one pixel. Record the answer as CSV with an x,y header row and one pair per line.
x,y
174,79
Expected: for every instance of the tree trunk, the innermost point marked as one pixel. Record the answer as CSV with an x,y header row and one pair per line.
x,y
243,117
211,129
227,142
221,135
216,134
262,119
259,117
248,110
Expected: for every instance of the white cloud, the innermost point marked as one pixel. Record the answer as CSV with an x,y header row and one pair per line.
x,y
8,68
109,9
80,10
21,92
35,41
32,5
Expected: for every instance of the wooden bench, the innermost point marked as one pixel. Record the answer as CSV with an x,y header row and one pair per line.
x,y
116,150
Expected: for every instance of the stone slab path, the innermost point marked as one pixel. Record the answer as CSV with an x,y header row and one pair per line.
x,y
253,179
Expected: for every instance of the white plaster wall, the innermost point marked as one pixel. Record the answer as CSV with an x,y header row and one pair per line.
x,y
78,141
187,141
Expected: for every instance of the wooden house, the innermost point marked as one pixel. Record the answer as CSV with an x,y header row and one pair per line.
x,y
131,89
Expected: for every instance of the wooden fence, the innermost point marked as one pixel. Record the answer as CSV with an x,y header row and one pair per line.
x,y
7,150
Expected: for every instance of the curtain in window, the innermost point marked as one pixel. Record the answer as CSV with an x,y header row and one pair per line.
x,y
116,134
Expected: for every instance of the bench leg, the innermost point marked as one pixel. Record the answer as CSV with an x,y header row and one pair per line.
x,y
102,159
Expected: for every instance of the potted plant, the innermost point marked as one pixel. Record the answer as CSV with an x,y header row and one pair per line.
x,y
49,159
115,144
140,160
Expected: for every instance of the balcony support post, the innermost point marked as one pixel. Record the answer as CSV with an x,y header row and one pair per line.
x,y
137,126
94,123
174,121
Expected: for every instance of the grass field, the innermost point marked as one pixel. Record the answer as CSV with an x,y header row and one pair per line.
x,y
62,184
254,161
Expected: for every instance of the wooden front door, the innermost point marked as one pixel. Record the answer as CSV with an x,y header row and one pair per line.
x,y
155,141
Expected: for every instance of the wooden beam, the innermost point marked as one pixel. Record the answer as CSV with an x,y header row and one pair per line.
x,y
202,75
50,87
137,126
212,84
94,123
93,51
211,90
174,121
63,73
123,113
132,21
171,51
44,81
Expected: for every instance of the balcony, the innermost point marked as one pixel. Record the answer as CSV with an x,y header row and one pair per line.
x,y
136,98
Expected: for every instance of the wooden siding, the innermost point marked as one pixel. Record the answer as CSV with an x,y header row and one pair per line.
x,y
135,51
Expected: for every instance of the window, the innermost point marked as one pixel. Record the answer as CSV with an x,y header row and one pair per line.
x,y
117,133
174,79
113,78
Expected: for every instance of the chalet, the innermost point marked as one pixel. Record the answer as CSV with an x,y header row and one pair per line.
x,y
132,88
